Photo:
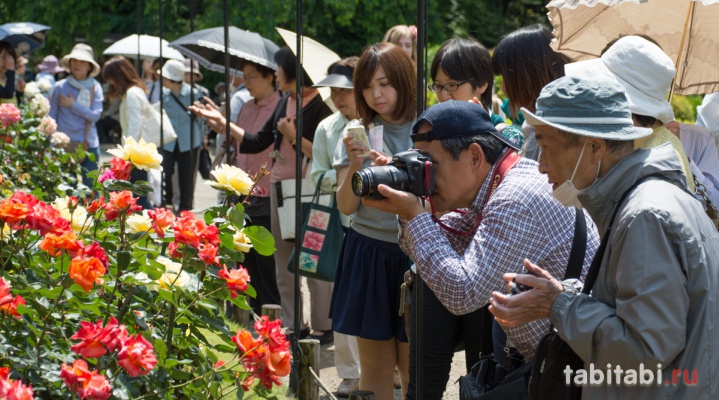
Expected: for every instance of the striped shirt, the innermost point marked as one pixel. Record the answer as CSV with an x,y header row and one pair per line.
x,y
520,220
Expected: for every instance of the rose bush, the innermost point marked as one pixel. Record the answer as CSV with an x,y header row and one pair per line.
x,y
100,299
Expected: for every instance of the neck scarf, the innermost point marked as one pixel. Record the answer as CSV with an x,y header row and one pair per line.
x,y
84,86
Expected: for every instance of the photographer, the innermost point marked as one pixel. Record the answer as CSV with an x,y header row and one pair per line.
x,y
508,215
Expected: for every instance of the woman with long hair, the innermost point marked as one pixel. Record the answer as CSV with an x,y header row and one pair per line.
x,y
366,296
126,84
526,63
405,37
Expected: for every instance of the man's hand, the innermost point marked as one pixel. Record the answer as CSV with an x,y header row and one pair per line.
x,y
379,159
65,101
404,204
527,306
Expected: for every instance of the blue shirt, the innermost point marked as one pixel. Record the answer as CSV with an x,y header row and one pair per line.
x,y
71,120
181,119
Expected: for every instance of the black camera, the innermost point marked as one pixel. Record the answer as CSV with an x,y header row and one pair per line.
x,y
409,171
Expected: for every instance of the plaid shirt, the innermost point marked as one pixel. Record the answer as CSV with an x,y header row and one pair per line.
x,y
520,220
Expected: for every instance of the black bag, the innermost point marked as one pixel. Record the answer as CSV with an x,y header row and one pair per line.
x,y
204,163
548,381
487,379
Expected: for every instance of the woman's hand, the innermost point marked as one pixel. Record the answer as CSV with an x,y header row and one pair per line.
x,y
353,149
65,101
286,126
212,117
9,62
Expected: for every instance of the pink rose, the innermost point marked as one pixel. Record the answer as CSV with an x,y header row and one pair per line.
x,y
9,115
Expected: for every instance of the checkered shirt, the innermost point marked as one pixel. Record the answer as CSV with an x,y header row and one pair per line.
x,y
520,220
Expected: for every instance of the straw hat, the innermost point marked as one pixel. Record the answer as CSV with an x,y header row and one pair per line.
x,y
81,52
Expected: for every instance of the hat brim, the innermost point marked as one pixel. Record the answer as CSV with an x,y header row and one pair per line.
x,y
639,103
335,81
65,63
197,72
608,131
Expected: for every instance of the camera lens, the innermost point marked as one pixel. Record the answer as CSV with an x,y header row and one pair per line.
x,y
365,181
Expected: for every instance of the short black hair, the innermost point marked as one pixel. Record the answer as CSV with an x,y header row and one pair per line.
x,y
286,60
491,146
466,58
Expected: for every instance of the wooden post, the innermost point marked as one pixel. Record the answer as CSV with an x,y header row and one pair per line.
x,y
272,310
362,395
308,388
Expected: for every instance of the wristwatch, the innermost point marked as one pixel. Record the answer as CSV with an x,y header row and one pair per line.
x,y
572,286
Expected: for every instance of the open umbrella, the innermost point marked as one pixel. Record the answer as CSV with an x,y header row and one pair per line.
x,y
24,36
687,30
149,48
316,57
208,48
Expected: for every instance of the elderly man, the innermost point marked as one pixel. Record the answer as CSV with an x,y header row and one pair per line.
x,y
654,304
508,214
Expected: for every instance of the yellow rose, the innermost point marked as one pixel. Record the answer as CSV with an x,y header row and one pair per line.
x,y
241,242
139,223
79,220
6,232
172,275
231,179
141,154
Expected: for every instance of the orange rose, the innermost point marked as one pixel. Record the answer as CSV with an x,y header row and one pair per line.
x,y
162,218
12,211
246,343
96,388
278,362
75,376
121,202
55,244
86,272
11,307
137,356
237,279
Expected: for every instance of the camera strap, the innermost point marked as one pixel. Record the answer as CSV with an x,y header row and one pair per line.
x,y
507,162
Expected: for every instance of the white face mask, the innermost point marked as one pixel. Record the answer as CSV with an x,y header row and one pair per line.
x,y
566,194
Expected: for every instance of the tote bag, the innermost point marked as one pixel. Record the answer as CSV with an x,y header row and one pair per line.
x,y
286,194
321,239
150,131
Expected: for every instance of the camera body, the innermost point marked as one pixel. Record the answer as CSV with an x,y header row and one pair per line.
x,y
410,171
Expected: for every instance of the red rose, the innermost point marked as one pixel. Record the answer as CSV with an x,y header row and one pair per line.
x,y
237,279
162,218
121,168
137,356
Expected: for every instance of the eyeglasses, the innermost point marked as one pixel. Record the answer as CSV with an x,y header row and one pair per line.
x,y
449,87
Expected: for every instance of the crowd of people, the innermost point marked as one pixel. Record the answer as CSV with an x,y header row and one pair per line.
x,y
584,166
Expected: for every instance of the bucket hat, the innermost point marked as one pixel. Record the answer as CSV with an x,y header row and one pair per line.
x,y
195,66
50,65
81,52
173,70
642,68
594,107
340,76
453,119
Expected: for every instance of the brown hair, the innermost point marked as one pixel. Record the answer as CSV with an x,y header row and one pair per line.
x,y
121,76
345,62
401,74
397,32
527,64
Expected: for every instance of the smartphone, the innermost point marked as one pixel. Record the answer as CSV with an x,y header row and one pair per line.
x,y
360,136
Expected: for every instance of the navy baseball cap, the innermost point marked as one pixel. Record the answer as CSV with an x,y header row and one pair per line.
x,y
453,119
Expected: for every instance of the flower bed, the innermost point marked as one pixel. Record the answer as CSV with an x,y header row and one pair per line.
x,y
101,299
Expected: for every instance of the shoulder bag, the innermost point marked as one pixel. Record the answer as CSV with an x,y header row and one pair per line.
x,y
150,131
487,379
548,381
321,239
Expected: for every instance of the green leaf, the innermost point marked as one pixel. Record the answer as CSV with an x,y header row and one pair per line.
x,y
262,240
237,216
227,241
161,350
240,393
123,260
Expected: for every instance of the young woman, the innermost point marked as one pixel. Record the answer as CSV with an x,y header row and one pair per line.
x,y
366,296
76,104
328,135
127,85
279,134
405,37
526,63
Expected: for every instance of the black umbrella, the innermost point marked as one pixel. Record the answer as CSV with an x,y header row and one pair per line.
x,y
208,47
24,36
